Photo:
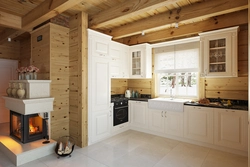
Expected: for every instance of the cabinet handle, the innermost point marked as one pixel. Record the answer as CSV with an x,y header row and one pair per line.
x,y
166,114
161,113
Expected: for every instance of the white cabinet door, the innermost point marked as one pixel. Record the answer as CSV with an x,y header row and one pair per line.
x,y
99,84
198,123
174,123
231,128
101,123
115,60
156,120
139,114
140,61
98,44
124,61
218,49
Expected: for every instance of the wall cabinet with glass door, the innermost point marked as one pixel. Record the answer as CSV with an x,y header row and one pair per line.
x,y
219,55
140,61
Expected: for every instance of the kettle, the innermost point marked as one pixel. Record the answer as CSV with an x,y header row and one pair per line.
x,y
127,93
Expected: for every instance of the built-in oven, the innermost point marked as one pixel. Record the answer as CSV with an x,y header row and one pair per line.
x,y
120,110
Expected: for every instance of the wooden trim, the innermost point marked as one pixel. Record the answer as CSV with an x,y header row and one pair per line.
x,y
10,20
45,11
219,22
197,11
124,10
9,33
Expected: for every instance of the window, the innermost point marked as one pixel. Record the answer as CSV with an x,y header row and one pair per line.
x,y
176,68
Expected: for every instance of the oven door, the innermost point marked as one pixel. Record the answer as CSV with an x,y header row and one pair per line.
x,y
120,115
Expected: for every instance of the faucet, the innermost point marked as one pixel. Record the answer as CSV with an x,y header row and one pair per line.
x,y
171,93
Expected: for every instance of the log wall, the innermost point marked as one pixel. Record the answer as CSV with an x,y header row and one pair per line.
x,y
51,56
10,50
78,59
25,52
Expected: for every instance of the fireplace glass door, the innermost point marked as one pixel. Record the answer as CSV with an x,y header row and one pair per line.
x,y
27,128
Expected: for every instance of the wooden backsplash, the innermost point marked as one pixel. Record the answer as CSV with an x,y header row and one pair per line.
x,y
143,86
227,88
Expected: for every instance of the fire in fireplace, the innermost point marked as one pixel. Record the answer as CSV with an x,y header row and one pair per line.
x,y
27,128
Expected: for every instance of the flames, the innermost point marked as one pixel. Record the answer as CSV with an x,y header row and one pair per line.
x,y
33,129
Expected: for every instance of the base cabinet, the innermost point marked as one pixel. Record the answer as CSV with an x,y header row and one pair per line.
x,y
168,122
138,114
198,123
101,123
174,123
230,128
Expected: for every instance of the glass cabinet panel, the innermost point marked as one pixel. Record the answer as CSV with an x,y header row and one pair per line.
x,y
217,55
136,63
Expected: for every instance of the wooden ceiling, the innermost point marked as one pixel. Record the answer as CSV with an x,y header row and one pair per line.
x,y
127,20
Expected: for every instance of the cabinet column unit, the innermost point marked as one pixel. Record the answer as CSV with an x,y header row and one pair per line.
x,y
50,53
99,106
219,54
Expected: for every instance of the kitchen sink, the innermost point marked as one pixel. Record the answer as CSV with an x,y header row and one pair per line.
x,y
167,104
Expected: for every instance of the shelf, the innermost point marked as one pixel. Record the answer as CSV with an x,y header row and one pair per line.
x,y
217,48
218,63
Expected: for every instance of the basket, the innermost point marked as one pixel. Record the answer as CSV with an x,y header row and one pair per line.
x,y
65,146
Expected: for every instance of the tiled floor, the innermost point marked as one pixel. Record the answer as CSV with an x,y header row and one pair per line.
x,y
136,149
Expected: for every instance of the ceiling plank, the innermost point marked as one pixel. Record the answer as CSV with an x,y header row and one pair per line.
x,y
197,11
126,9
219,22
9,33
45,11
10,20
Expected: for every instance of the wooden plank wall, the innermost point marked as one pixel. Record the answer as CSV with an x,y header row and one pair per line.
x,y
78,116
232,88
10,50
51,56
25,52
118,86
59,75
143,86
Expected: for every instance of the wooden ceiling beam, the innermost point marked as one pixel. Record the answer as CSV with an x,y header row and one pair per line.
x,y
197,11
219,22
45,11
10,20
124,10
9,33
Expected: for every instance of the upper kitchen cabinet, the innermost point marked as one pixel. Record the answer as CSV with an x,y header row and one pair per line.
x,y
140,58
119,60
99,44
219,53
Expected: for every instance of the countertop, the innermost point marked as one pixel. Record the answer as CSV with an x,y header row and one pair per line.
x,y
233,107
138,99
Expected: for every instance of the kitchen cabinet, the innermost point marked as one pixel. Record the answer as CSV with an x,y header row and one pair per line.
x,y
99,111
140,58
174,123
230,128
168,122
138,112
156,120
100,125
219,53
98,44
119,60
198,123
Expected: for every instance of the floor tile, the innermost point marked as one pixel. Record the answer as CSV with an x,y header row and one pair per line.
x,y
217,158
184,155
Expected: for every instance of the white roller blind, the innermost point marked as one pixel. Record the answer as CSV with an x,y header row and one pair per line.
x,y
177,58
